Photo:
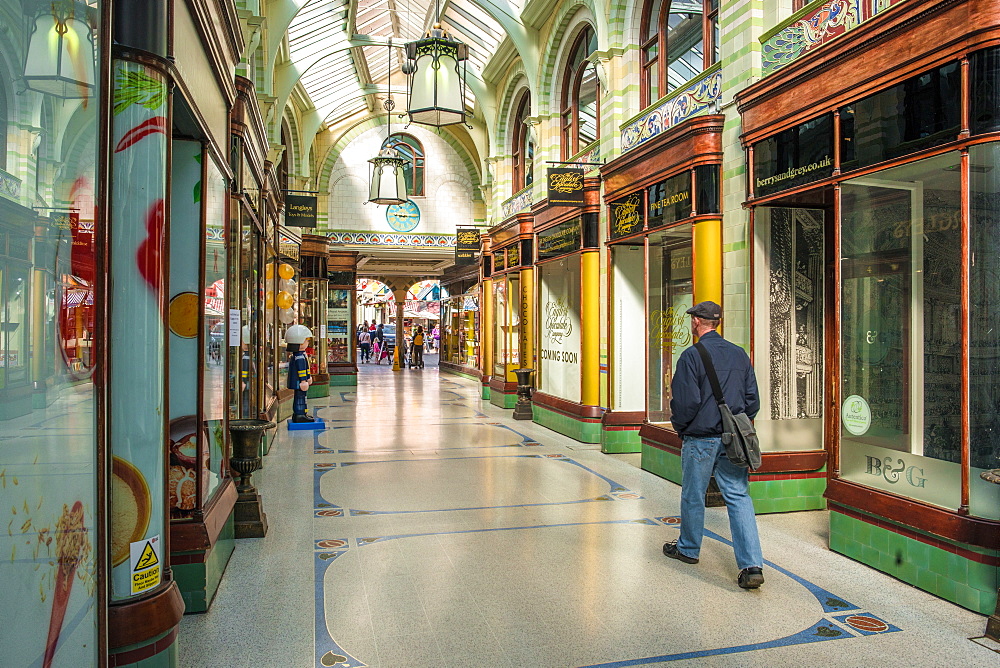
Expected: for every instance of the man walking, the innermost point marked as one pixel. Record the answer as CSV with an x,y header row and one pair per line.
x,y
696,417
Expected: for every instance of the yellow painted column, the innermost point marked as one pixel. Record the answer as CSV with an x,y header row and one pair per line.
x,y
527,314
708,261
38,325
590,328
486,328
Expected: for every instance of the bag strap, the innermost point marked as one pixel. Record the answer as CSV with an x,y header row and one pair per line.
x,y
713,378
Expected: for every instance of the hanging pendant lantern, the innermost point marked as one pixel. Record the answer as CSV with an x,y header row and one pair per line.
x,y
436,77
388,184
60,56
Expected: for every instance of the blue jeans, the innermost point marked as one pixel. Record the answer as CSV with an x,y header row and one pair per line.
x,y
700,457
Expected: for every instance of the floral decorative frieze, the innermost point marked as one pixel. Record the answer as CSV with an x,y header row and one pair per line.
x,y
517,203
392,239
694,99
592,154
10,185
817,27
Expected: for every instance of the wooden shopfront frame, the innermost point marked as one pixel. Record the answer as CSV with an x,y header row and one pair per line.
x,y
514,232
825,82
690,147
554,227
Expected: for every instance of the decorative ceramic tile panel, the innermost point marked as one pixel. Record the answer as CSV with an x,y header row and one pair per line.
x,y
392,239
825,23
689,102
10,185
517,203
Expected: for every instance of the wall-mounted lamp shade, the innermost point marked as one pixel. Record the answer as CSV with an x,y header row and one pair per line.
x,y
60,58
437,80
388,185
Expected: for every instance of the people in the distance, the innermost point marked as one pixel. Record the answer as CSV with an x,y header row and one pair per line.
x,y
365,343
298,371
246,370
417,349
696,417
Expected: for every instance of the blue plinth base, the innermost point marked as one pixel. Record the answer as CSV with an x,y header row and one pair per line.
x,y
301,426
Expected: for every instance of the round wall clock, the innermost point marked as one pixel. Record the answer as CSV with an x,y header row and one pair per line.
x,y
403,217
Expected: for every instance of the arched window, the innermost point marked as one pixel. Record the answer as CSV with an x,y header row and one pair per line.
x,y
523,145
411,150
581,92
285,157
680,38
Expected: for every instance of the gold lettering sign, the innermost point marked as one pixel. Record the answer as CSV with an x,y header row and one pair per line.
x,y
627,217
513,256
557,321
669,329
566,182
669,201
468,237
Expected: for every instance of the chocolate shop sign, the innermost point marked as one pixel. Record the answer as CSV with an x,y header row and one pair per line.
x,y
466,246
626,216
561,239
565,186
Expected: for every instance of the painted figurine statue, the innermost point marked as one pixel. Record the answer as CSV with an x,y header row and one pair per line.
x,y
298,370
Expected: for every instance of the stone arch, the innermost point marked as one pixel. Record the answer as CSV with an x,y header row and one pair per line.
x,y
518,84
574,17
625,21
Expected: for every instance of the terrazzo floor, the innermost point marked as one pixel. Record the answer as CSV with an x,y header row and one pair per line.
x,y
425,527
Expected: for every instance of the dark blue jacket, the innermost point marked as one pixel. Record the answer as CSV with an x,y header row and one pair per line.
x,y
694,411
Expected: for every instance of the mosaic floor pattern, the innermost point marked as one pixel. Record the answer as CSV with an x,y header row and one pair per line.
x,y
427,528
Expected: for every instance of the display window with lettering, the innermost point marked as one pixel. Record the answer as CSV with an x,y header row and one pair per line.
x,y
669,294
789,313
794,157
559,371
984,324
670,200
900,337
507,325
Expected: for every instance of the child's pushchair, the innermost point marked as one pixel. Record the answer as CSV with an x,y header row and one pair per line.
x,y
381,351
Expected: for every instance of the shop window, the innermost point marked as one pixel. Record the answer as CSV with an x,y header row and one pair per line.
x,y
559,371
708,195
580,94
338,324
670,293
680,39
411,150
794,157
900,335
985,97
984,323
523,145
507,333
918,114
628,306
789,313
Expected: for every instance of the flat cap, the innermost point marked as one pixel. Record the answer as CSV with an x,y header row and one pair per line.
x,y
706,310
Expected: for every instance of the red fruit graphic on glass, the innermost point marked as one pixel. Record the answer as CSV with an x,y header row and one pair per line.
x,y
148,256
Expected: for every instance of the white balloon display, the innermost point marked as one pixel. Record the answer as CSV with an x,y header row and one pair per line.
x,y
286,315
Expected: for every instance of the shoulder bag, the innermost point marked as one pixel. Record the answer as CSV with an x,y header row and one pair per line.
x,y
738,434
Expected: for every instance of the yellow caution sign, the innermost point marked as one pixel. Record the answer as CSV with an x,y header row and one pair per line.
x,y
145,563
147,559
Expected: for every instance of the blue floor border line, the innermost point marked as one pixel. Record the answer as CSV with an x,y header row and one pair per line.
x,y
322,507
320,449
856,623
